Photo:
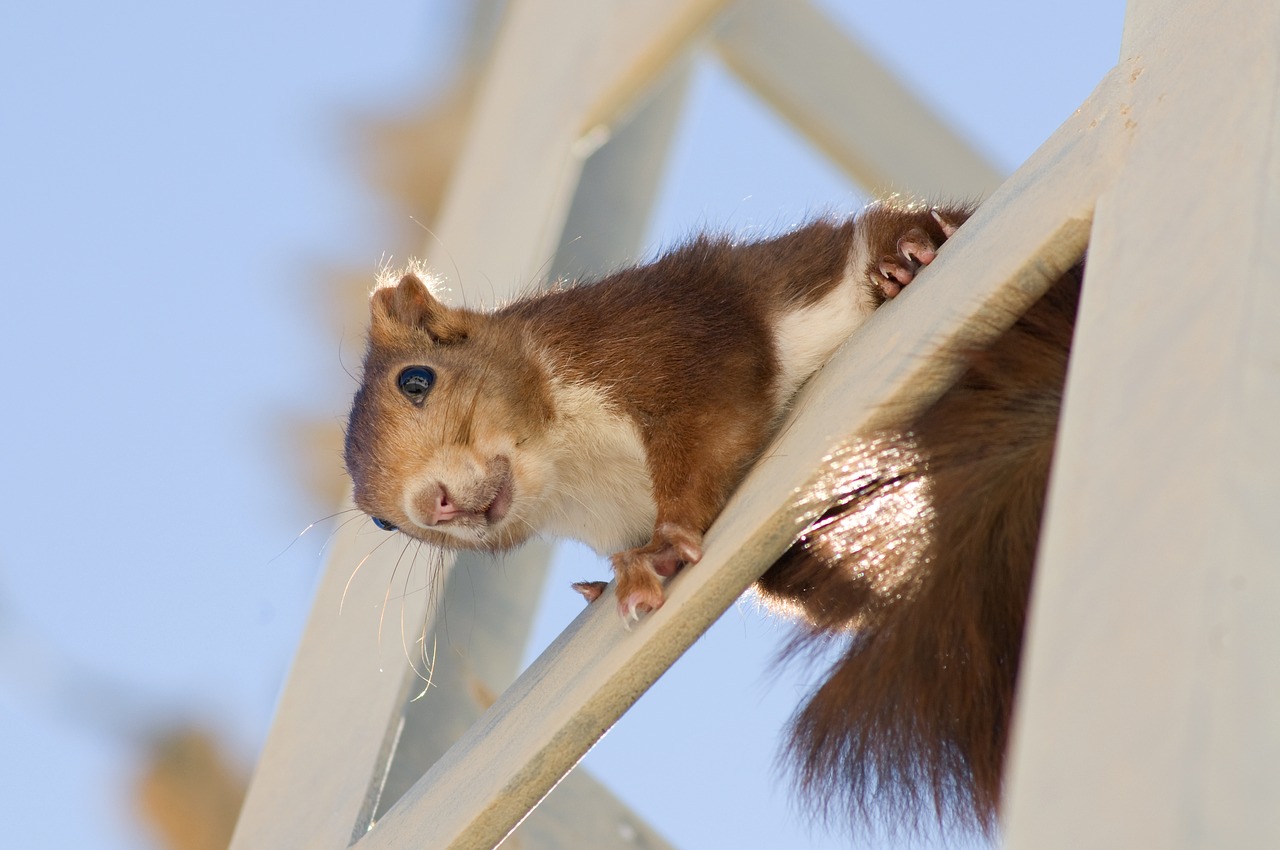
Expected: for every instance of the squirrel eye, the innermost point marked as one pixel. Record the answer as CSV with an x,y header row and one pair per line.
x,y
383,524
415,382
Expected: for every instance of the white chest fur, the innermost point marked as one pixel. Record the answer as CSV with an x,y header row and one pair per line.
x,y
599,491
808,336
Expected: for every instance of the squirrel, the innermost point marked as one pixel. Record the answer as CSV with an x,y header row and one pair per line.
x,y
623,412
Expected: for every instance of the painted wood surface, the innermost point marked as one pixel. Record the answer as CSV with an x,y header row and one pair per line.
x,y
1150,708
853,109
526,146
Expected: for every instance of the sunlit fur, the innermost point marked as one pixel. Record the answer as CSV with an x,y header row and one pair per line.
x,y
920,571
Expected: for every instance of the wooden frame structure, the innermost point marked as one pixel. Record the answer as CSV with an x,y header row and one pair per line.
x,y
1149,713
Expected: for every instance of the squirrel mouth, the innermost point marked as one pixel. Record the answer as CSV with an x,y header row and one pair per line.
x,y
503,494
465,510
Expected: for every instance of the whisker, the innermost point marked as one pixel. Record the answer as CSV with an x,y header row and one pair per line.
x,y
387,596
351,577
404,594
286,549
457,272
338,530
429,666
343,363
436,573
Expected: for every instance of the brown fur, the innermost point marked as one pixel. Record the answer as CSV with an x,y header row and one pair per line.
x,y
919,707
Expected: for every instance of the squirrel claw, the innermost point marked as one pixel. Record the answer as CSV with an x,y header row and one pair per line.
x,y
639,589
948,229
893,276
918,248
914,249
674,546
638,602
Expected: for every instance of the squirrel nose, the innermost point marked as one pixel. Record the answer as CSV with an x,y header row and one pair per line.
x,y
437,505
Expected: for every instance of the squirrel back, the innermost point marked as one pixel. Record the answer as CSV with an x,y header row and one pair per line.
x,y
923,568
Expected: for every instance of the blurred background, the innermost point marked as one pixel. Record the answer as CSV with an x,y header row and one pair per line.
x,y
193,200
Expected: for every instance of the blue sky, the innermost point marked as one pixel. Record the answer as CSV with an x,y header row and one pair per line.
x,y
174,179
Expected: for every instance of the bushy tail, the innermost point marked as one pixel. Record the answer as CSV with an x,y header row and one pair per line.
x,y
924,568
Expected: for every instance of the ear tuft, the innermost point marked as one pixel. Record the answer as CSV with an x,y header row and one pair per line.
x,y
408,303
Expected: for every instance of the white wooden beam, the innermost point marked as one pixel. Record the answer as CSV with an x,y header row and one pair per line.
x,y
548,85
1144,20
1001,261
1150,709
339,712
837,94
613,205
641,43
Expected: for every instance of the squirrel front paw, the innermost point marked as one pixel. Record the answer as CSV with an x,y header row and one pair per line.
x,y
912,243
639,570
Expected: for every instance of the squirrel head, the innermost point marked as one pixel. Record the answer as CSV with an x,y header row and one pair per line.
x,y
443,433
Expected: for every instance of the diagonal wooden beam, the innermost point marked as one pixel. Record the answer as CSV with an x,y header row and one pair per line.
x,y
854,110
548,85
641,44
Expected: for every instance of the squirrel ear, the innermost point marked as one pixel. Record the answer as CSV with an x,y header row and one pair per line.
x,y
408,303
